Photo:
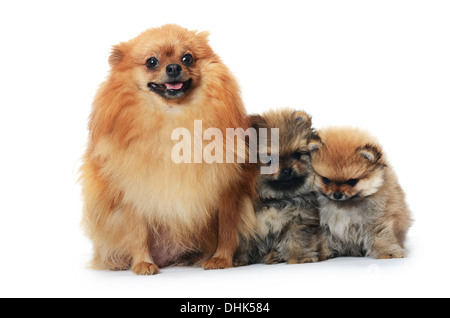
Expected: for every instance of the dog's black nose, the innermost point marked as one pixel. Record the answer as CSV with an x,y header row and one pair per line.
x,y
286,173
173,70
337,195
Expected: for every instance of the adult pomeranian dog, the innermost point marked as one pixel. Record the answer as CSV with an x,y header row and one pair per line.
x,y
142,210
287,215
362,206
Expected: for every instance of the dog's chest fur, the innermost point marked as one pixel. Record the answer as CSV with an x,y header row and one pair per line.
x,y
179,196
348,225
274,215
276,219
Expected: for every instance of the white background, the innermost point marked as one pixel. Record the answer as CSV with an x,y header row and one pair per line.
x,y
380,65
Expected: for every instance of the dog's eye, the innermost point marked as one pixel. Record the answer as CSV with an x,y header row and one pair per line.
x,y
187,59
152,63
297,155
325,180
352,182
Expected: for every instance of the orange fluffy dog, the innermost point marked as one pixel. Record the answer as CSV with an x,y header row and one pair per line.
x,y
142,210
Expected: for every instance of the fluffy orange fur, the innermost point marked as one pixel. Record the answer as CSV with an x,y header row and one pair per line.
x,y
142,210
339,159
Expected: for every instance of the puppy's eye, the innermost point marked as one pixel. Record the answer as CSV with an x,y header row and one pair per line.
x,y
297,155
352,182
325,180
187,59
152,63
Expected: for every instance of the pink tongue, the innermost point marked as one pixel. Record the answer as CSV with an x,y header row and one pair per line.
x,y
174,85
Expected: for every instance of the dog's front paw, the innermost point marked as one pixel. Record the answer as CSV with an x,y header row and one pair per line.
x,y
144,268
239,262
217,263
272,258
393,252
303,260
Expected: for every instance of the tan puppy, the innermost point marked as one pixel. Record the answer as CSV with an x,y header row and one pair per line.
x,y
142,210
362,206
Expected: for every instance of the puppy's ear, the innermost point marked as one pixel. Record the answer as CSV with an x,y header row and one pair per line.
x,y
117,54
302,118
314,142
370,152
204,35
257,121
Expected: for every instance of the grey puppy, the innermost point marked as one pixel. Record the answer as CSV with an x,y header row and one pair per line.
x,y
287,216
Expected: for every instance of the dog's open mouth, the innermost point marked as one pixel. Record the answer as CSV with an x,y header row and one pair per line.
x,y
170,90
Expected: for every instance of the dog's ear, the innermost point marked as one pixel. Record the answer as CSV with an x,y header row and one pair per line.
x,y
257,121
202,44
117,54
314,142
204,35
302,118
370,152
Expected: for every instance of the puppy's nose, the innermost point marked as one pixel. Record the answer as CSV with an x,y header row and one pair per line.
x,y
337,195
286,173
173,70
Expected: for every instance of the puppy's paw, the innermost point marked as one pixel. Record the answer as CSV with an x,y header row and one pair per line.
x,y
394,254
239,262
217,263
324,257
272,258
144,268
309,259
303,260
